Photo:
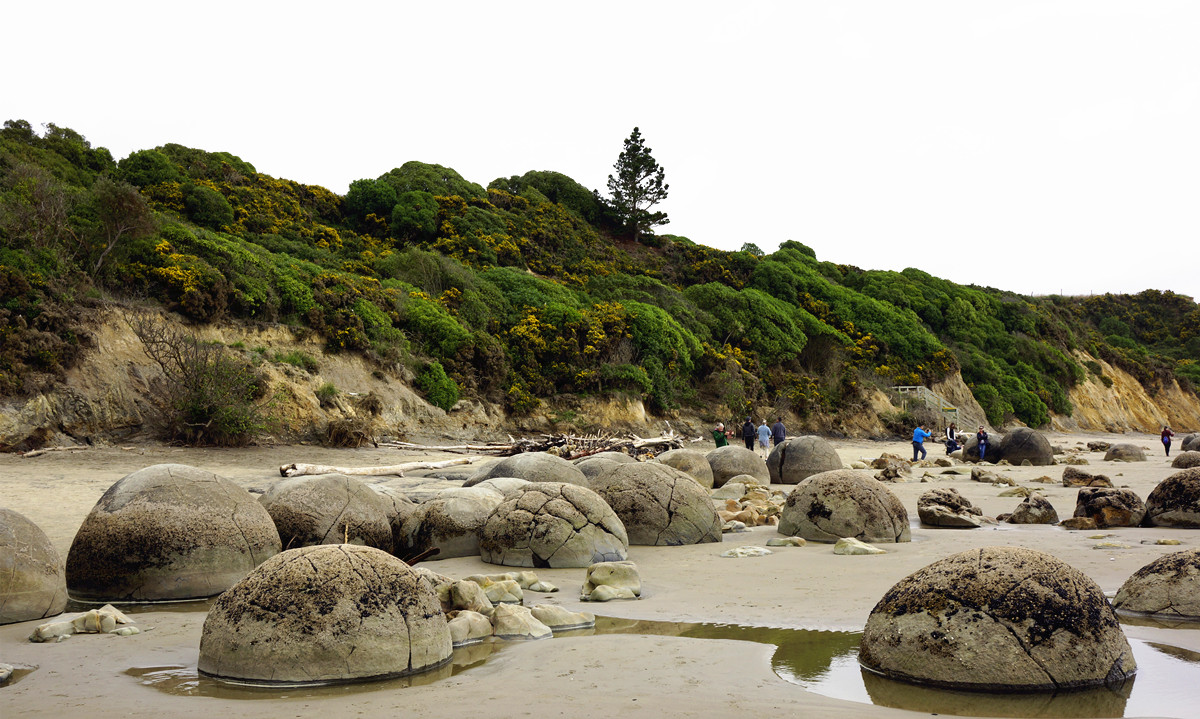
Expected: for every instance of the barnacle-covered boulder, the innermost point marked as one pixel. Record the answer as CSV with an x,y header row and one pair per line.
x,y
844,503
997,619
945,507
1170,586
33,584
552,524
1110,507
1175,501
167,532
325,613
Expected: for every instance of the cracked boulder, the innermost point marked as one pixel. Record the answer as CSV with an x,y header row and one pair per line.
x,y
1034,509
327,613
35,584
844,503
533,467
398,507
690,461
1186,460
945,507
552,524
1110,507
1024,444
797,458
1125,452
659,505
451,522
1073,477
329,509
997,619
593,467
167,532
1170,586
731,460
1175,501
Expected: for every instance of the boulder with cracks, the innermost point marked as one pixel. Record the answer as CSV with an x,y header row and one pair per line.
x,y
552,524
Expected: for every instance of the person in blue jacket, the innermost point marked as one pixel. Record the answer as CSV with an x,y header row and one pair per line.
x,y
764,438
920,434
981,441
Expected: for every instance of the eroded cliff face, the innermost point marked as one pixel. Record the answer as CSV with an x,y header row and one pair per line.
x,y
1126,406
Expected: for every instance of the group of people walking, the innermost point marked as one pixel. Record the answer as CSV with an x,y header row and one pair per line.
x,y
953,440
765,436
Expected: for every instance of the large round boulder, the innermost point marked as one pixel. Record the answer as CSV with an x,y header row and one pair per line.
x,y
1175,501
398,507
659,505
328,613
34,584
533,467
1190,443
1170,585
844,503
595,466
1023,444
997,619
552,525
1186,460
690,461
329,509
797,458
1125,452
1034,509
945,507
1110,507
612,456
167,532
451,522
732,460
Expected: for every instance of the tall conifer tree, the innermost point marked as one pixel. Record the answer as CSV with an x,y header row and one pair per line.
x,y
637,186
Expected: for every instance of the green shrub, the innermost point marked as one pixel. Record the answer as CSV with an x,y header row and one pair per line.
x,y
296,358
326,393
440,390
205,206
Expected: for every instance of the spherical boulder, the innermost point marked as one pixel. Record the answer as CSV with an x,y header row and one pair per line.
x,y
690,461
167,532
35,583
844,503
451,522
1023,444
997,619
533,467
659,505
1190,443
594,466
1186,460
611,456
326,613
1110,507
398,507
797,458
329,509
945,507
1034,509
732,460
1170,585
1125,452
1175,501
552,524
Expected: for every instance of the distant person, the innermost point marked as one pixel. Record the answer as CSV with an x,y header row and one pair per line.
x,y
778,433
981,438
719,435
749,433
1167,434
764,437
951,438
920,434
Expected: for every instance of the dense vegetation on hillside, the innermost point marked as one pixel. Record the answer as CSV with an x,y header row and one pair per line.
x,y
520,290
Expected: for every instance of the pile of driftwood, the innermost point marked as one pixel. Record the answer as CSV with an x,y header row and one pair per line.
x,y
567,446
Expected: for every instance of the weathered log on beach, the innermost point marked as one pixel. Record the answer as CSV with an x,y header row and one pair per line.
x,y
567,446
297,469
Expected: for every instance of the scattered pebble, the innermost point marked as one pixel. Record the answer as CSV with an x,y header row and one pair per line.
x,y
747,551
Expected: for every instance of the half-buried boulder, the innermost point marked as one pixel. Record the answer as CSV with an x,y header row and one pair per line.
x,y
1034,509
595,466
1190,443
690,461
1125,452
1110,507
328,613
945,507
533,467
844,503
1170,586
997,619
451,522
34,583
1023,444
797,458
659,505
552,524
1186,460
168,532
1175,501
329,509
732,460
619,457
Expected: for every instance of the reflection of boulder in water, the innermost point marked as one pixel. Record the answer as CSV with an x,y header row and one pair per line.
x,y
1096,702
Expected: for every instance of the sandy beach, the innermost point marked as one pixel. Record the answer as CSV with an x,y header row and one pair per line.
x,y
605,675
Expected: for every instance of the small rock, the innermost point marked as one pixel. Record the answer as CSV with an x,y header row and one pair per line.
x,y
623,575
747,551
1099,536
1110,545
1098,446
1016,492
543,586
858,465
786,542
605,593
561,619
1043,480
467,627
943,462
733,527
851,546
1078,523
730,490
1168,542
1075,460
512,621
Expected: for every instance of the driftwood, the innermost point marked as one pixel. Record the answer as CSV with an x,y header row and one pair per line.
x,y
567,446
396,470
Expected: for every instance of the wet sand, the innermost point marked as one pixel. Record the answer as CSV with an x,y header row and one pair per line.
x,y
629,675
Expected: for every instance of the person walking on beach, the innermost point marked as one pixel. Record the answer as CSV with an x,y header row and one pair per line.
x,y
749,433
719,435
764,437
778,433
951,438
1167,434
981,439
920,434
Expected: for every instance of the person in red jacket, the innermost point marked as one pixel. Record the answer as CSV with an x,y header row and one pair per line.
x,y
1167,434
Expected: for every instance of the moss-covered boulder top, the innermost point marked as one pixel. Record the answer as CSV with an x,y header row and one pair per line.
x,y
997,619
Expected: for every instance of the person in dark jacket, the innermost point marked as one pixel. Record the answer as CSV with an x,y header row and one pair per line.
x,y
981,438
749,433
778,433
1167,434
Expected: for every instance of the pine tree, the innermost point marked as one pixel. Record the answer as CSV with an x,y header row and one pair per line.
x,y
637,186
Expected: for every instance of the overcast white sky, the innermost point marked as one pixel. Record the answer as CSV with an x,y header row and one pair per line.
x,y
1038,147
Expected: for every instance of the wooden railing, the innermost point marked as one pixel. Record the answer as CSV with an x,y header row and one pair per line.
x,y
930,399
